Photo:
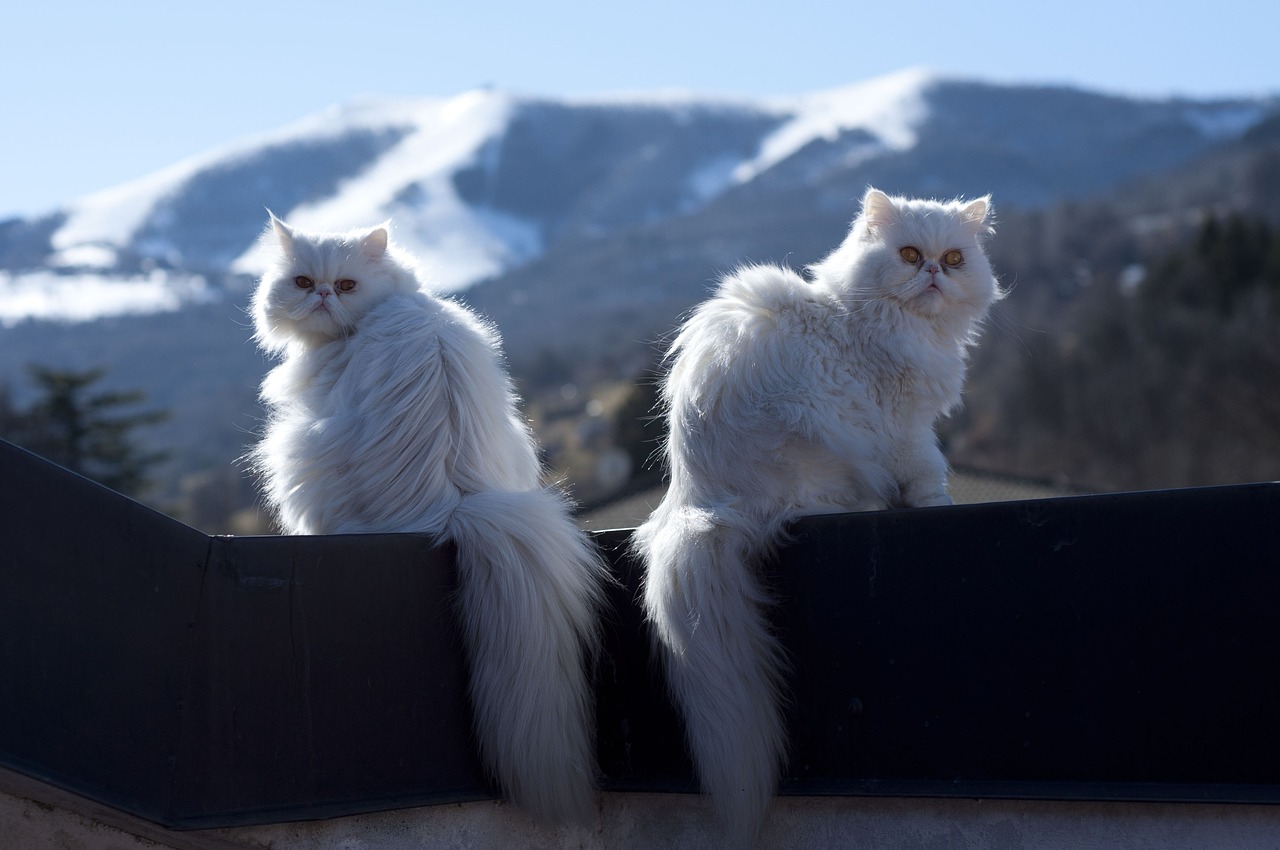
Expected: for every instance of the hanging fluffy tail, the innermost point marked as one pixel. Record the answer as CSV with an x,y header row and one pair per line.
x,y
530,588
724,667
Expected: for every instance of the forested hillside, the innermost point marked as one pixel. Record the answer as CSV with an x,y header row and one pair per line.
x,y
1153,358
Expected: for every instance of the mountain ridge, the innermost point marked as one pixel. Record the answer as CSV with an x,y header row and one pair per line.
x,y
483,182
597,224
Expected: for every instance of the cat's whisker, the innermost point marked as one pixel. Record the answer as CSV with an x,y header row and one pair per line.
x,y
1007,325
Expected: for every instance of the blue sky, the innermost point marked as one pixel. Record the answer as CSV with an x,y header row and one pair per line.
x,y
99,93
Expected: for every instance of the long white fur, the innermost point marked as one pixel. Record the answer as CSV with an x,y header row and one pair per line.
x,y
785,398
391,412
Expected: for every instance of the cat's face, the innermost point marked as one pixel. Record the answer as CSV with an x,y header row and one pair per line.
x,y
321,284
928,256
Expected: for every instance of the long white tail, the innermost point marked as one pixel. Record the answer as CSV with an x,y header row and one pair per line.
x,y
724,668
530,588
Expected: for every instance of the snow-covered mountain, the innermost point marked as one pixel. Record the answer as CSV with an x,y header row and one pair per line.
x,y
582,228
483,183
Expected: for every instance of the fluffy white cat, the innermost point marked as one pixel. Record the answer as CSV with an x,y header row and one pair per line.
x,y
392,412
787,397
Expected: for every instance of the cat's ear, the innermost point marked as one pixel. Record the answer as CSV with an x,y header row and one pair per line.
x,y
283,232
977,214
374,244
878,209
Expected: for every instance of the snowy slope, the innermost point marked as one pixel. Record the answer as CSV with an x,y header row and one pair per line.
x,y
410,181
888,109
113,217
86,296
485,182
456,243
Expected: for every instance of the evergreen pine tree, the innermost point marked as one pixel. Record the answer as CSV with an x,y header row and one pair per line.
x,y
85,431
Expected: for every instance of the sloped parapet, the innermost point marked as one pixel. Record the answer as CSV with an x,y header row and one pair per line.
x,y
198,680
1118,647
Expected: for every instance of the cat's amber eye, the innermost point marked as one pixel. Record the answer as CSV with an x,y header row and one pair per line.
x,y
304,282
953,258
346,285
910,254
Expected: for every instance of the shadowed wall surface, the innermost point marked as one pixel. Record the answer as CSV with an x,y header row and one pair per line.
x,y
1100,648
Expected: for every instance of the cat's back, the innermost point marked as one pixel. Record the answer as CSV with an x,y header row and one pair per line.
x,y
753,303
763,294
397,349
404,315
414,325
758,312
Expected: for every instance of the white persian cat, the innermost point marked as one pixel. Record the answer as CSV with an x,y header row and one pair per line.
x,y
784,398
392,412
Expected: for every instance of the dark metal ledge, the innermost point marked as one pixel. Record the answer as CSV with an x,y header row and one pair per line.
x,y
1105,647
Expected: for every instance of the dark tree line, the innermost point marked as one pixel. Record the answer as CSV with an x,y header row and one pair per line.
x,y
1230,259
90,431
1164,377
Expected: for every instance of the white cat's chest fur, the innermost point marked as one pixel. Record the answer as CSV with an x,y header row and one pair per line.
x,y
875,419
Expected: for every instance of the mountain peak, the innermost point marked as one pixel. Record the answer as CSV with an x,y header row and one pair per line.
x,y
480,182
888,108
